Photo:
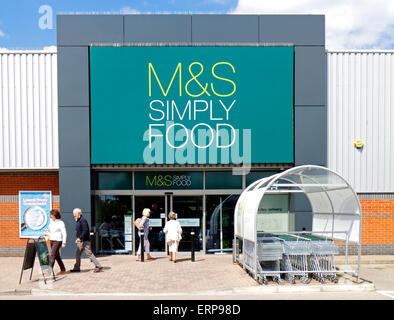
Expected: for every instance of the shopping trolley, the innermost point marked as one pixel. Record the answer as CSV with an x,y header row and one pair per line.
x,y
269,255
321,260
295,258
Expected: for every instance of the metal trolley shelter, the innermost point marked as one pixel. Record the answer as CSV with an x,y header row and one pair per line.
x,y
266,243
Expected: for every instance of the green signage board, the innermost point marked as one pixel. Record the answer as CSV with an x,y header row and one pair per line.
x,y
168,180
191,105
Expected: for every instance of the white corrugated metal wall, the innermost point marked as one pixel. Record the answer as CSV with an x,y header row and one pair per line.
x,y
28,110
361,106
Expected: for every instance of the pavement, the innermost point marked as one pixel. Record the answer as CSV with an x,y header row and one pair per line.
x,y
209,276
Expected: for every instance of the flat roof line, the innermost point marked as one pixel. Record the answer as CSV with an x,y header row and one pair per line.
x,y
31,51
360,51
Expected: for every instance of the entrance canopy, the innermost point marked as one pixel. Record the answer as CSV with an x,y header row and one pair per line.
x,y
265,205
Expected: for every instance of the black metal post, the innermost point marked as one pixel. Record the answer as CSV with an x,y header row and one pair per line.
x,y
192,248
24,261
142,236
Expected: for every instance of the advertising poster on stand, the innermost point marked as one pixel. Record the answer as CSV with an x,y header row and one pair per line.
x,y
34,213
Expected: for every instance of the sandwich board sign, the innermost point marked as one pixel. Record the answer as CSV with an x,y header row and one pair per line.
x,y
39,247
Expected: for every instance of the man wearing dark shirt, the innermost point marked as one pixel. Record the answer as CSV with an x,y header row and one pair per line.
x,y
83,242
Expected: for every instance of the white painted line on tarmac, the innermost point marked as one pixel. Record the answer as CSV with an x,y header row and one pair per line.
x,y
386,293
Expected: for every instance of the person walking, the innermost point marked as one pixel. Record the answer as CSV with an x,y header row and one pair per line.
x,y
83,242
173,232
144,226
57,237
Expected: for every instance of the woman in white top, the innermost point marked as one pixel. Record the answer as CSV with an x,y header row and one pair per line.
x,y
57,236
173,232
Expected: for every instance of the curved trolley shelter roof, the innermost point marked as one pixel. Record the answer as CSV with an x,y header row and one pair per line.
x,y
335,205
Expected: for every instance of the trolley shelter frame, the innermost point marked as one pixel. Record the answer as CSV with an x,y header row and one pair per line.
x,y
336,212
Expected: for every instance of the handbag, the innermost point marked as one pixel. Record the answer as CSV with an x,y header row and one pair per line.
x,y
137,223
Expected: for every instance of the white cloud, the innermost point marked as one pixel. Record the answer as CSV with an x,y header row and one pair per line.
x,y
50,48
129,10
349,23
2,34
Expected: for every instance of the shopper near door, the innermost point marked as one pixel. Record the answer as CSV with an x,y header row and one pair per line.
x,y
144,227
83,242
173,232
57,237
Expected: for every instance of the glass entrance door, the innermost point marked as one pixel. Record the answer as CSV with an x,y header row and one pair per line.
x,y
189,210
157,220
220,222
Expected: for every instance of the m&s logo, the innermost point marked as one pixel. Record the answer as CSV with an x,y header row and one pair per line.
x,y
192,111
203,88
207,111
168,181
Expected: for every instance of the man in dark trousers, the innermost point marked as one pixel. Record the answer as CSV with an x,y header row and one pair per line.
x,y
83,242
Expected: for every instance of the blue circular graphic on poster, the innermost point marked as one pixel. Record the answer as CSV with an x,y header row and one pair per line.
x,y
35,218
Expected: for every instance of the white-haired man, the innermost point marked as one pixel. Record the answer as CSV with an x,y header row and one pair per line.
x,y
83,242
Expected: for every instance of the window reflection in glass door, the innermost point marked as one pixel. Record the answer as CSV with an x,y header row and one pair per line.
x,y
189,211
220,222
111,214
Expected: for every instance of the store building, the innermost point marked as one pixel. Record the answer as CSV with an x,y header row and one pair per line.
x,y
125,116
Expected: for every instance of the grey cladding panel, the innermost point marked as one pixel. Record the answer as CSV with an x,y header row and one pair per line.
x,y
157,28
74,145
73,76
74,186
311,135
225,28
303,220
301,202
83,30
295,29
69,221
310,76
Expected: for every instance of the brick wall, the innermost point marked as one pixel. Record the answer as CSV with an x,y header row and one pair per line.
x,y
378,226
10,185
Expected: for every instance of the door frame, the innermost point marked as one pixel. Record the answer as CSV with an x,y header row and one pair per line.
x,y
168,207
146,193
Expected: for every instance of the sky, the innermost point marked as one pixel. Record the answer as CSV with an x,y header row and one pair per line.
x,y
350,24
